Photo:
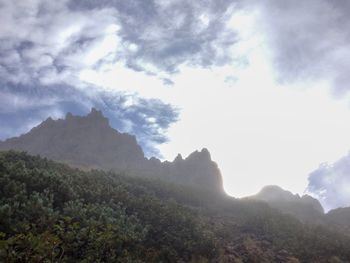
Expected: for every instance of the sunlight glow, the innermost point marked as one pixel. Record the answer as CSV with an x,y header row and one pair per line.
x,y
256,129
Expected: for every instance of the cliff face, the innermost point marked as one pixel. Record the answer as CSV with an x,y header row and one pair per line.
x,y
196,168
82,141
89,142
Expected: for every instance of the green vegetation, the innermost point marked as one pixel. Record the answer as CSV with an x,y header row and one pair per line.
x,y
52,213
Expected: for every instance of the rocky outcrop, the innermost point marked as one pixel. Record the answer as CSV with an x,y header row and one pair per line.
x,y
89,142
81,141
197,167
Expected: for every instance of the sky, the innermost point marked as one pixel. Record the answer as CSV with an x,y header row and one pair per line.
x,y
262,84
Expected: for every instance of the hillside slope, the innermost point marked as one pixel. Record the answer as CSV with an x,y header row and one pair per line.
x,y
50,212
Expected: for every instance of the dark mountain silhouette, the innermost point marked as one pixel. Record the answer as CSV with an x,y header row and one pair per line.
x,y
89,142
305,208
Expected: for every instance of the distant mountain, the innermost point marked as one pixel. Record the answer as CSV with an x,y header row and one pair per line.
x,y
89,142
305,208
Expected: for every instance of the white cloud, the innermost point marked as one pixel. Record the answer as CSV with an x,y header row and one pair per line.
x,y
309,40
331,183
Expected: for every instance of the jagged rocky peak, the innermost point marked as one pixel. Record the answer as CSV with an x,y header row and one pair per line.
x,y
95,114
90,142
95,117
205,153
46,123
82,141
178,158
197,169
49,120
202,155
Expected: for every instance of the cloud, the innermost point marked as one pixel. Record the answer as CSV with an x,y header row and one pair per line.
x,y
46,42
162,35
308,40
50,42
148,119
45,45
331,183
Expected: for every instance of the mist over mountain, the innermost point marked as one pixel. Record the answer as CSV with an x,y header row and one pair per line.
x,y
116,195
305,208
89,142
274,193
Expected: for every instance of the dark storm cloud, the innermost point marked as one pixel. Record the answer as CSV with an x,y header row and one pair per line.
x,y
43,46
166,34
308,40
48,40
331,183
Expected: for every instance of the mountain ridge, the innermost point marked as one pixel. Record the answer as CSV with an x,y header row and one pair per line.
x,y
89,142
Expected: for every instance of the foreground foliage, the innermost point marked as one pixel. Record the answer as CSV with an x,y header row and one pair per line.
x,y
52,213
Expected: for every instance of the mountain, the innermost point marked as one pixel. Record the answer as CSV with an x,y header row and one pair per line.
x,y
339,218
305,208
89,142
50,212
